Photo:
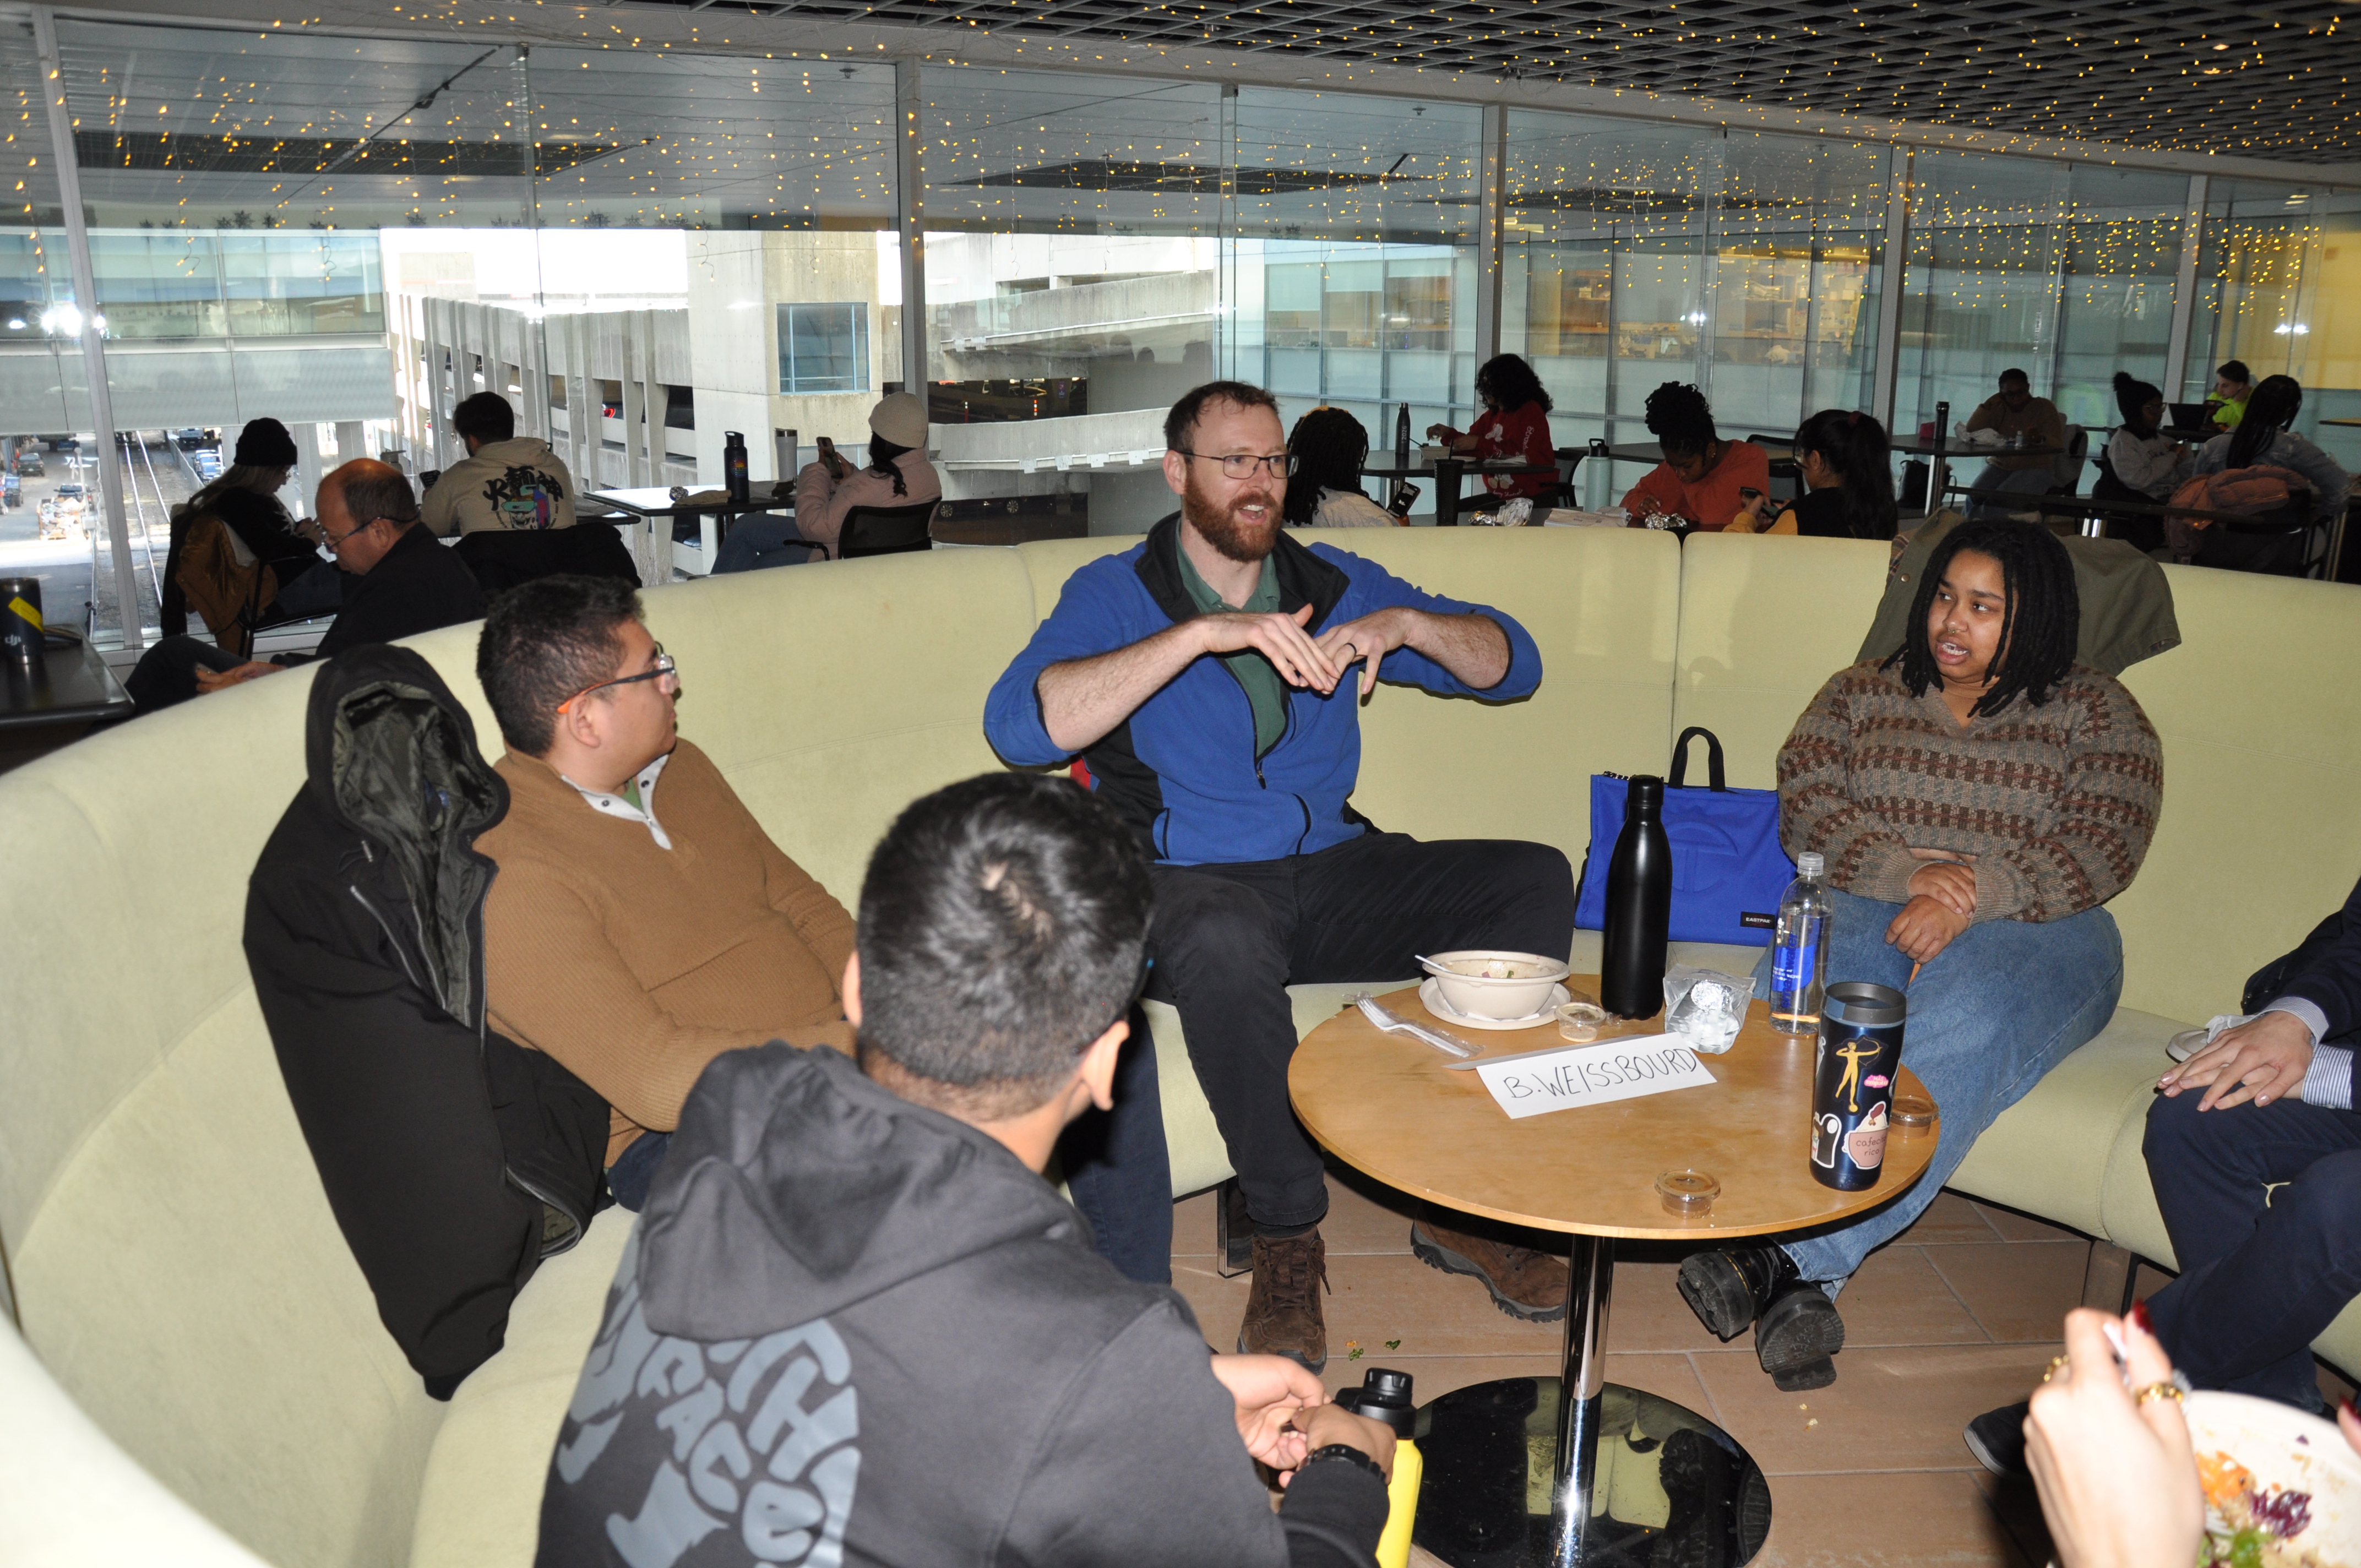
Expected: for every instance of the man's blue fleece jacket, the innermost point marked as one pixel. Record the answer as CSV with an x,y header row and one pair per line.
x,y
1182,770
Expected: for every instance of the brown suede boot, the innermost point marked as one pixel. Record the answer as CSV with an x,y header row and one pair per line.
x,y
1525,1283
1283,1310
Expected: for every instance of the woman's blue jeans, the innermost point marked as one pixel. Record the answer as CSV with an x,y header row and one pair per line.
x,y
1993,1012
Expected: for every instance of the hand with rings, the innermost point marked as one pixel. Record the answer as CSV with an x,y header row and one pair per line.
x,y
2117,1478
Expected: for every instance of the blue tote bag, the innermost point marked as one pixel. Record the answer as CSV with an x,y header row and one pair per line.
x,y
1728,868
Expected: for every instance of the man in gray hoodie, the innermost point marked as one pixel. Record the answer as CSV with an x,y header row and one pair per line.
x,y
506,481
856,1326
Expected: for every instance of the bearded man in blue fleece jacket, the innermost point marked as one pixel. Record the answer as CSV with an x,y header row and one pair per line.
x,y
1206,676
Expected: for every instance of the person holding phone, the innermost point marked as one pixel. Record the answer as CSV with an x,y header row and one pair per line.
x,y
1843,460
898,475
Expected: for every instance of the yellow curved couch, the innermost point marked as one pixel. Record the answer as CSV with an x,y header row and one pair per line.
x,y
200,1376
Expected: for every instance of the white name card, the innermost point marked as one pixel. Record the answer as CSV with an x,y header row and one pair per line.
x,y
1539,1082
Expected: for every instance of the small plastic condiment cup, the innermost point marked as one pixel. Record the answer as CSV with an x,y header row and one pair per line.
x,y
1687,1192
1580,1021
1913,1113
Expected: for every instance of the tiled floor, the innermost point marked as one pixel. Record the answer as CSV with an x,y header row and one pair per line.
x,y
1959,1314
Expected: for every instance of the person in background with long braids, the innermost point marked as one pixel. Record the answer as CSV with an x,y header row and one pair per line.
x,y
1329,446
2263,438
1850,473
1978,796
1515,424
1702,479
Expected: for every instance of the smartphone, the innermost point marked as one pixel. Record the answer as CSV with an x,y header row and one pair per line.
x,y
827,451
1405,495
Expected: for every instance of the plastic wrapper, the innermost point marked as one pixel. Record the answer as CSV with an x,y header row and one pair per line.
x,y
1705,1007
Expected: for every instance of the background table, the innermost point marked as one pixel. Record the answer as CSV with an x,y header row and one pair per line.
x,y
1446,473
70,685
713,518
1529,1470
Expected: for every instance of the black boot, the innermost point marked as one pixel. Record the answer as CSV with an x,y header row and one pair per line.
x,y
1796,1329
1729,1289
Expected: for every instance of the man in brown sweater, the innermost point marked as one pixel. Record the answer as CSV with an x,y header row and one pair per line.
x,y
633,938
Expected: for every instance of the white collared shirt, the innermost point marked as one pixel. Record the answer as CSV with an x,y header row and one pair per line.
x,y
616,806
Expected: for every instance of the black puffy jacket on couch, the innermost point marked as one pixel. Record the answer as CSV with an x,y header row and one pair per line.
x,y
455,1160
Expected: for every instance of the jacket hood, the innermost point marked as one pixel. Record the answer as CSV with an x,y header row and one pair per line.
x,y
391,755
793,1178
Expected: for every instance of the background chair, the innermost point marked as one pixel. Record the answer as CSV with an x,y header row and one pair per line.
x,y
1569,459
885,530
502,559
1786,473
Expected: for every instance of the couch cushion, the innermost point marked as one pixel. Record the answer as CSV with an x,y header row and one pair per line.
x,y
480,1504
175,1263
2059,1152
1765,623
832,699
2262,762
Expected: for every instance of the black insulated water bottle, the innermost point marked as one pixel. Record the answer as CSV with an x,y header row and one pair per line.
x,y
1639,907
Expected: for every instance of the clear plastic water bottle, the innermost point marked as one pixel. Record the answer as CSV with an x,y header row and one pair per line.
x,y
1799,950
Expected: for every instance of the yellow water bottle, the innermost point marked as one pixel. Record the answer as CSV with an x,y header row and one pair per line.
x,y
1385,1396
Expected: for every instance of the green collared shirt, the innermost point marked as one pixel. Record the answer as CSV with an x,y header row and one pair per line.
x,y
1264,689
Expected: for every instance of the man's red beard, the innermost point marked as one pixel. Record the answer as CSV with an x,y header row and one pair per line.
x,y
1222,526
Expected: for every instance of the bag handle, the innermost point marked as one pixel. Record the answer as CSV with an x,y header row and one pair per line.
x,y
1680,768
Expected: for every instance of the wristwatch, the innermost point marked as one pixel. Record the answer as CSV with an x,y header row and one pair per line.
x,y
1345,1451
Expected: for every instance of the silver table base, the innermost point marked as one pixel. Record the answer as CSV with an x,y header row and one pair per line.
x,y
1549,1472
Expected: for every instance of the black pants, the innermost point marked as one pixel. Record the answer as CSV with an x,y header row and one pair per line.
x,y
2260,1277
167,673
1229,940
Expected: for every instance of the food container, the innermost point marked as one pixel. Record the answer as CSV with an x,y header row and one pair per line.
x,y
2249,1449
1488,984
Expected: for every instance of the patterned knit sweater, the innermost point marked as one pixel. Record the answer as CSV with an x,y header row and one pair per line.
x,y
2054,804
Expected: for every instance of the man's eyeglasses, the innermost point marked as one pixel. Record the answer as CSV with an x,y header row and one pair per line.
x,y
663,669
336,540
1242,464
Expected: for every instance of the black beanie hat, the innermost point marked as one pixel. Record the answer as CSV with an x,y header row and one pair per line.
x,y
265,443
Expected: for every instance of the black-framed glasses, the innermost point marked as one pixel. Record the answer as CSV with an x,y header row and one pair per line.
x,y
663,669
1242,464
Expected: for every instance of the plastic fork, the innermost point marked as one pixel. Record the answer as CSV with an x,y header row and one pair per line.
x,y
1394,1024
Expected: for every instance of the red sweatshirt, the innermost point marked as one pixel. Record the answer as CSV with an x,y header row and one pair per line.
x,y
1712,501
1524,434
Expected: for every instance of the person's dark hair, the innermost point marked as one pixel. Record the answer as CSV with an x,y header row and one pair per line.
x,y
486,416
2040,630
1181,424
1510,384
1854,445
1680,419
882,454
542,641
371,489
2271,408
2235,371
1329,446
2132,396
1002,925
2019,376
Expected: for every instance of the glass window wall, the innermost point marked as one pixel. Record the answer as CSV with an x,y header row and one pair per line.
x,y
2278,286
644,248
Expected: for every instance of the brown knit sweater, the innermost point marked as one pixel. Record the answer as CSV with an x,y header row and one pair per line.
x,y
2055,804
636,965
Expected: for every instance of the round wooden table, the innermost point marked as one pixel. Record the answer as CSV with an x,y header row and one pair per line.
x,y
1516,1471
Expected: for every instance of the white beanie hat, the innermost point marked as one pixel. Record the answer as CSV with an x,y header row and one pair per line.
x,y
900,417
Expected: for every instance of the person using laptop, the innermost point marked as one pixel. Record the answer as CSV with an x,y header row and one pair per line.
x,y
2234,387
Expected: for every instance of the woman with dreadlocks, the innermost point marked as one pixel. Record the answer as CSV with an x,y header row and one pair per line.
x,y
1977,796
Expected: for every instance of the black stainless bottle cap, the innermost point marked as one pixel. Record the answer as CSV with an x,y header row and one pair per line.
x,y
1646,790
1860,1001
1384,1396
